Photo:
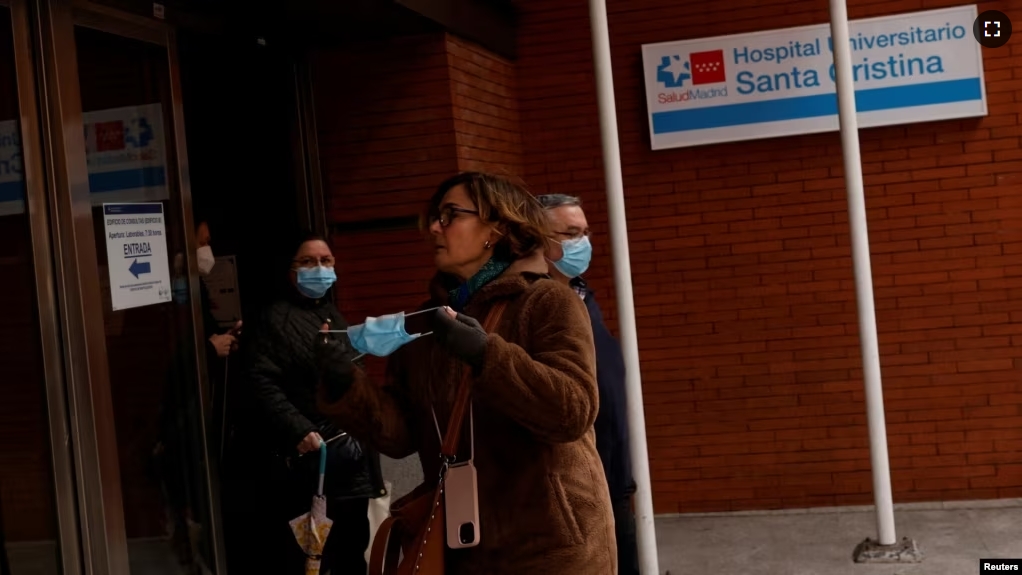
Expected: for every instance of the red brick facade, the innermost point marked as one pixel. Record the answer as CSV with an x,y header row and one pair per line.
x,y
740,253
485,108
395,119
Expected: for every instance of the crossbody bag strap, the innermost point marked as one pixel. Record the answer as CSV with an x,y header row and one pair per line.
x,y
449,448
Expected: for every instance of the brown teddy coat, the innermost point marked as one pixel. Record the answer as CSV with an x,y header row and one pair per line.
x,y
544,505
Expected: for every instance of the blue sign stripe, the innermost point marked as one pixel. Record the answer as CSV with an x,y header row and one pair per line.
x,y
12,191
802,107
127,180
98,183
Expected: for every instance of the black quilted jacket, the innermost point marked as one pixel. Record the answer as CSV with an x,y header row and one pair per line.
x,y
280,379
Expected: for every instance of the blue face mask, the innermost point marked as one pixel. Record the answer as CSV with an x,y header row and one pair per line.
x,y
382,336
577,255
314,282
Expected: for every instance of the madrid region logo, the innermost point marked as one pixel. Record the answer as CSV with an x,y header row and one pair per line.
x,y
700,68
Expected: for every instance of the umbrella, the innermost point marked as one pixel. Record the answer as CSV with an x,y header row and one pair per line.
x,y
312,528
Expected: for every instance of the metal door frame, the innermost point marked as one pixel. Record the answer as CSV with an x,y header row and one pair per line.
x,y
47,277
305,143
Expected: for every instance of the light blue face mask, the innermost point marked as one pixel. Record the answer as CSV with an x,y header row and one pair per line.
x,y
577,253
381,336
314,282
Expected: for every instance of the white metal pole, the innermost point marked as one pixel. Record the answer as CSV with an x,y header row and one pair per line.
x,y
863,273
645,530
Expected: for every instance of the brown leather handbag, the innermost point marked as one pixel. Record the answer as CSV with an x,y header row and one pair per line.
x,y
411,541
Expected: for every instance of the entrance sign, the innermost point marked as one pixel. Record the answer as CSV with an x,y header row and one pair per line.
x,y
136,251
918,67
124,150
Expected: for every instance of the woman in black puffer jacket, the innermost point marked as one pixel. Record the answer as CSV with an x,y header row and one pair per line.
x,y
276,448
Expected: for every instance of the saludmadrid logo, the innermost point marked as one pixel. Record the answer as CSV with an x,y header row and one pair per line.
x,y
692,94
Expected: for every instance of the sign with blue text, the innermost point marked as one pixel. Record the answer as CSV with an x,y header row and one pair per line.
x,y
124,151
136,251
917,67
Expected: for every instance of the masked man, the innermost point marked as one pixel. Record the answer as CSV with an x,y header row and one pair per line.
x,y
570,253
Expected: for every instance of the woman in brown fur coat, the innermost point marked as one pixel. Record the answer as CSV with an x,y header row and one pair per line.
x,y
543,502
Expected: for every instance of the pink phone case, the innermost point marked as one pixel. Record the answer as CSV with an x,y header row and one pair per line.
x,y
461,502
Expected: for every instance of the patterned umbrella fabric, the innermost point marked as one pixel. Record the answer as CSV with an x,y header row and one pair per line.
x,y
312,528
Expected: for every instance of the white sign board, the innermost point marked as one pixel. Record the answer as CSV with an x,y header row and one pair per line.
x,y
125,155
136,251
222,284
918,67
124,150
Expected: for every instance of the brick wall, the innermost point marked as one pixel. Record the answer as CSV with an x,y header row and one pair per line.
x,y
485,109
395,119
384,113
386,136
743,274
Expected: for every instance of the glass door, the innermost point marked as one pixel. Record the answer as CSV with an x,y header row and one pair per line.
x,y
28,518
123,196
139,231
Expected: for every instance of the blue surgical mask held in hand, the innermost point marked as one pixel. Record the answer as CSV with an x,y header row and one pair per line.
x,y
314,282
381,336
577,254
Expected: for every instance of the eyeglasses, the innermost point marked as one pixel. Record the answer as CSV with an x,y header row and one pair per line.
x,y
310,262
447,214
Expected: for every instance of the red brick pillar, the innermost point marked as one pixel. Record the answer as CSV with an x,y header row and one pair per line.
x,y
394,119
485,108
385,125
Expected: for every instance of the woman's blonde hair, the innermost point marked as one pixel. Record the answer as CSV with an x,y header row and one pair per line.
x,y
515,213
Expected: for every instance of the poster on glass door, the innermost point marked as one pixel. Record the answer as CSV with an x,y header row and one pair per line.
x,y
136,251
124,150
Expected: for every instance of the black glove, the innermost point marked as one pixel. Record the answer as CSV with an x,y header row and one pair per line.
x,y
462,336
334,363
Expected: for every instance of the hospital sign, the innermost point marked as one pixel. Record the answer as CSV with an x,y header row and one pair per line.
x,y
917,67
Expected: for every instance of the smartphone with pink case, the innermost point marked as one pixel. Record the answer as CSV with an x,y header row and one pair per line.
x,y
461,503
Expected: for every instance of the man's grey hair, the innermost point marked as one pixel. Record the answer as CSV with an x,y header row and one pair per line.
x,y
551,201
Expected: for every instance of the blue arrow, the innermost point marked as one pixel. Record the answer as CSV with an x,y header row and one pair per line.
x,y
137,268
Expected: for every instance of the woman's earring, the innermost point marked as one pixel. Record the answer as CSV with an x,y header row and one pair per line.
x,y
487,244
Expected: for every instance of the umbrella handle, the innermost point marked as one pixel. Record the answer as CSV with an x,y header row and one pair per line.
x,y
322,466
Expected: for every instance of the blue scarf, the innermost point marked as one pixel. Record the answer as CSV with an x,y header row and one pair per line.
x,y
460,295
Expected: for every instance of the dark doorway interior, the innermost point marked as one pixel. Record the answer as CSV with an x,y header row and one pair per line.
x,y
239,103
240,113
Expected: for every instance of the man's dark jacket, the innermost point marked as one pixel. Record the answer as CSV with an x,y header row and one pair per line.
x,y
280,382
612,420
